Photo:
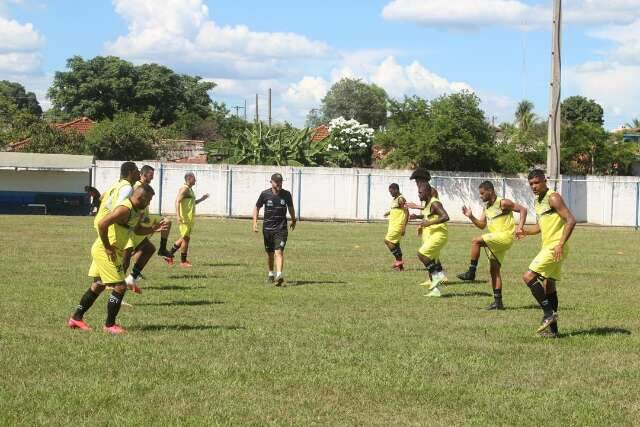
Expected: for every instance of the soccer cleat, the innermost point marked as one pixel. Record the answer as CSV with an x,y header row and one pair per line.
x,y
132,284
78,324
548,333
398,265
467,275
547,321
437,279
186,264
114,329
271,279
280,281
435,293
168,260
495,306
425,283
164,253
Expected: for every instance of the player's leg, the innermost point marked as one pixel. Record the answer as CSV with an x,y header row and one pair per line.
x,y
143,253
535,283
476,244
76,321
113,308
279,261
394,248
126,258
496,285
184,250
552,295
164,237
271,265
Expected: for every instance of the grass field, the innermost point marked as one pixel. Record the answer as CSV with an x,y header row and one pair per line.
x,y
348,342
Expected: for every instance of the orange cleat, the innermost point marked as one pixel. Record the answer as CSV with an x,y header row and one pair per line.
x,y
78,324
114,330
135,289
168,260
398,265
186,264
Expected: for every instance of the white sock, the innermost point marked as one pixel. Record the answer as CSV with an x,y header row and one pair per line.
x,y
271,274
279,274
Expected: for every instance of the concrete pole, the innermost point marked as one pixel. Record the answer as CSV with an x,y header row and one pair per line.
x,y
553,135
269,107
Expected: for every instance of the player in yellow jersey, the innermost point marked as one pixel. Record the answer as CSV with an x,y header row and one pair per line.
x,y
186,211
139,246
107,250
497,215
435,234
118,192
555,224
398,215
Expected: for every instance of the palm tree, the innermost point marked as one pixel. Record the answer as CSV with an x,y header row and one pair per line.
x,y
634,124
525,117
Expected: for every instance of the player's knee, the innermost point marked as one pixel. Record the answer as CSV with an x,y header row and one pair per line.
x,y
477,241
120,288
528,276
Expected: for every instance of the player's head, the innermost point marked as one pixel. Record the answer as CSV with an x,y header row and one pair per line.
x,y
487,191
424,191
129,171
190,179
276,181
87,188
394,190
141,196
420,175
537,181
146,174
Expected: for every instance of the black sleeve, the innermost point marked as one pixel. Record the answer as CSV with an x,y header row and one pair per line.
x,y
260,202
289,200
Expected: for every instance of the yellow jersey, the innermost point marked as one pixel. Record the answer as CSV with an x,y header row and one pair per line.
x,y
188,206
110,199
499,221
551,224
146,220
119,234
426,212
397,215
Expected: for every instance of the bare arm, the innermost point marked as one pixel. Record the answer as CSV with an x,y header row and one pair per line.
x,y
256,211
203,198
481,222
292,214
179,198
119,215
437,209
557,203
509,205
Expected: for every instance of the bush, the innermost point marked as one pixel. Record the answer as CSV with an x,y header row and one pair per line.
x,y
127,136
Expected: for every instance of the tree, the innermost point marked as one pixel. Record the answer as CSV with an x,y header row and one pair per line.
x,y
354,99
577,109
127,136
314,118
101,87
634,124
47,139
525,117
16,94
584,149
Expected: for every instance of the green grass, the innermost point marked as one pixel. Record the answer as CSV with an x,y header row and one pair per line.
x,y
352,343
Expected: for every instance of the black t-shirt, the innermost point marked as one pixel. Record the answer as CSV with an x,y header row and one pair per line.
x,y
275,211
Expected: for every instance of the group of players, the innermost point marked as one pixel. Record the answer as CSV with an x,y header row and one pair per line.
x,y
124,224
555,223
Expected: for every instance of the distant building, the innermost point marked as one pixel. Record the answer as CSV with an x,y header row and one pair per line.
x,y
82,126
320,133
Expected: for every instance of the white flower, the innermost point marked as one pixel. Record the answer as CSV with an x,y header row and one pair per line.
x,y
362,145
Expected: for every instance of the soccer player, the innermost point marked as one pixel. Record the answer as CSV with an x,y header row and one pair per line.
x,y
398,216
186,212
555,224
107,250
276,201
498,217
94,195
435,234
139,245
118,192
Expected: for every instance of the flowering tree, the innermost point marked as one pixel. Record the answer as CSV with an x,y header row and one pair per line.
x,y
349,143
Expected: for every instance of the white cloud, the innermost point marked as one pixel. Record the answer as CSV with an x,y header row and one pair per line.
x,y
626,39
180,33
307,93
19,49
16,63
17,37
475,14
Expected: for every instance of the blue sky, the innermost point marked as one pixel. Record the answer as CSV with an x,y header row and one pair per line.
x,y
497,48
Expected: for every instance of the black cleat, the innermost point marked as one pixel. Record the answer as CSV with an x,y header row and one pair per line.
x,y
467,276
496,305
548,333
271,279
280,281
165,253
547,321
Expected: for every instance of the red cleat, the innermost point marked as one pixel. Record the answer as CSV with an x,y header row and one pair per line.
x,y
114,330
78,324
168,260
186,264
398,265
135,289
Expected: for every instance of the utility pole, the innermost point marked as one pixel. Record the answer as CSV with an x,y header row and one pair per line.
x,y
269,107
245,110
553,134
239,107
257,114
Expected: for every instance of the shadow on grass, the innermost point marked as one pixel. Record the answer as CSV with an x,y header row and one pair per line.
x,y
535,307
153,328
313,282
467,282
466,294
603,331
173,288
223,264
189,276
187,303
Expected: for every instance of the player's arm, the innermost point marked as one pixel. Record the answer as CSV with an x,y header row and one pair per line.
x,y
481,222
256,211
557,203
119,215
203,198
511,206
292,212
141,230
437,209
403,205
179,198
412,205
529,231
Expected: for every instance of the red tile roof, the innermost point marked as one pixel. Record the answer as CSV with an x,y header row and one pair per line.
x,y
320,133
200,159
81,125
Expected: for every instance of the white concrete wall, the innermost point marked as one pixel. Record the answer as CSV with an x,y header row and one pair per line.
x,y
348,194
43,181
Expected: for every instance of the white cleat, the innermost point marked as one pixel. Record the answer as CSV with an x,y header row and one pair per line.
x,y
435,293
130,281
436,280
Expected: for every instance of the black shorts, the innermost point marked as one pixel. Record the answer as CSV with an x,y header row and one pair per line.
x,y
274,239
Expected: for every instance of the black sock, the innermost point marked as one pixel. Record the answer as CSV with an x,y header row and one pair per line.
x,y
537,290
397,252
174,249
473,265
163,244
497,295
113,307
431,267
136,271
86,302
553,300
183,256
438,267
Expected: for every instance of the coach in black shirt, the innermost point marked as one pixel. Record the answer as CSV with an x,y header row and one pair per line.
x,y
276,202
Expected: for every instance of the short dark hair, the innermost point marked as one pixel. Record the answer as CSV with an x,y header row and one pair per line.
x,y
487,185
87,188
395,186
188,174
146,168
537,173
126,168
421,174
276,177
145,189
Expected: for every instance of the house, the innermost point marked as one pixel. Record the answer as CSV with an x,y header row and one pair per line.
x,y
320,133
182,151
82,126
